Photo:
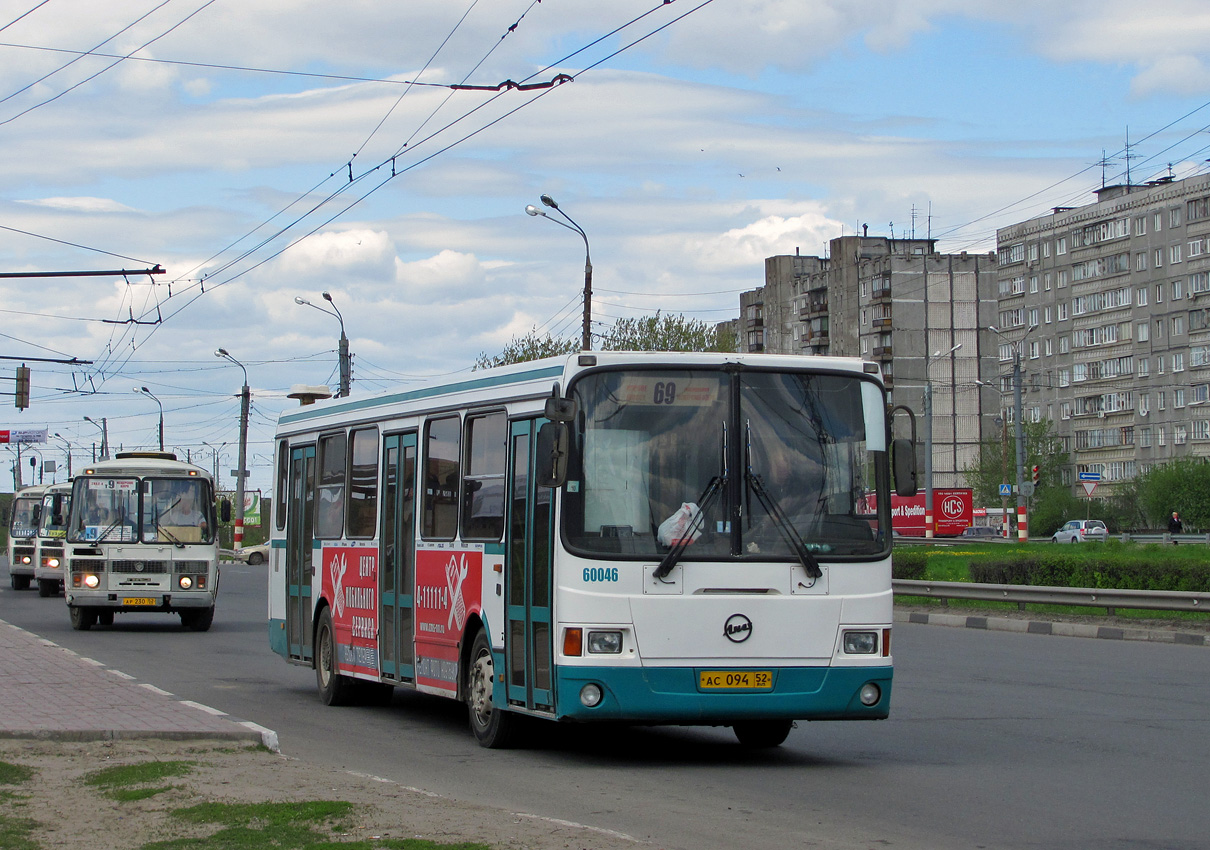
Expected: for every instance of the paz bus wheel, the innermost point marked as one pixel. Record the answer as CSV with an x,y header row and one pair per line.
x,y
82,618
493,728
19,582
198,619
762,734
47,587
105,617
334,688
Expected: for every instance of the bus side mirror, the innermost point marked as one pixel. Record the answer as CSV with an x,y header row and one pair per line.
x,y
903,458
56,510
560,409
550,461
224,510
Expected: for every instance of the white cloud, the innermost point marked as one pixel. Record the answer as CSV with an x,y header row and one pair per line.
x,y
82,204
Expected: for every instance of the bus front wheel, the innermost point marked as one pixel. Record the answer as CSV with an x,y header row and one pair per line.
x,y
82,619
48,587
334,688
198,619
19,582
762,734
493,728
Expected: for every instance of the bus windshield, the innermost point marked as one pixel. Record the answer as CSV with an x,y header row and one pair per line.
x,y
54,524
25,517
153,510
744,465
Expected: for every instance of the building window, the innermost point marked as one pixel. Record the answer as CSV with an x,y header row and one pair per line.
x,y
1033,317
1143,331
1034,352
1178,288
1159,257
1061,245
1178,325
1140,226
1144,367
1064,377
1174,217
1174,254
1158,221
1064,344
1046,281
1159,293
1178,362
1178,397
1162,399
1195,248
1033,252
1048,314
1141,296
1140,261
1033,283
1062,311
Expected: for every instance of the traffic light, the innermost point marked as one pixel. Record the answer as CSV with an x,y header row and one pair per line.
x,y
21,396
1036,474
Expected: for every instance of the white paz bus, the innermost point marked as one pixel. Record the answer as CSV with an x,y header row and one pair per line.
x,y
142,536
646,538
23,535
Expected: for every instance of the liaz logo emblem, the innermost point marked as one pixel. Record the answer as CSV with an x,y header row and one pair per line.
x,y
737,629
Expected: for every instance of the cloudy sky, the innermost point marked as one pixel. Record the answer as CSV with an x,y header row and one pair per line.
x,y
260,151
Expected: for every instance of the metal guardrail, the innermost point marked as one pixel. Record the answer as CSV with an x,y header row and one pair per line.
x,y
1154,600
1125,537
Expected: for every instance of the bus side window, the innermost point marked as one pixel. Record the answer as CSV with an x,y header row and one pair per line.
x,y
363,483
441,478
483,484
330,492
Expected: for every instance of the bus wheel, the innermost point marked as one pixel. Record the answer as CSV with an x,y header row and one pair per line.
x,y
19,582
762,734
47,587
334,688
82,618
105,617
198,619
493,728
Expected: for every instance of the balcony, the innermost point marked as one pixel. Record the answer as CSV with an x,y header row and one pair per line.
x,y
882,352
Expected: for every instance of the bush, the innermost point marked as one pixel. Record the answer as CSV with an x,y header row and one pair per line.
x,y
911,564
1109,567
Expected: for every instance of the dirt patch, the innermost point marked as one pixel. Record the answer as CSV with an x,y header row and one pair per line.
x,y
73,814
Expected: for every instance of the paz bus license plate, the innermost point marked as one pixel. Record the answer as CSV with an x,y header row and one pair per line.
x,y
140,600
761,680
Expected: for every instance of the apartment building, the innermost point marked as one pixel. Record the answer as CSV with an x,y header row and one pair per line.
x,y
921,315
1106,305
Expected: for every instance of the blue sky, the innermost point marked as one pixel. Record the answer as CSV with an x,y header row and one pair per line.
x,y
745,129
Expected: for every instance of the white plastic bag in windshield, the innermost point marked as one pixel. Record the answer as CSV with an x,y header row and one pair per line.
x,y
684,526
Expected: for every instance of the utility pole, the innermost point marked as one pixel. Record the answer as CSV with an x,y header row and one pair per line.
x,y
245,397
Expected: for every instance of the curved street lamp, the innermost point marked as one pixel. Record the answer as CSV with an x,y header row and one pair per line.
x,y
929,518
104,426
240,473
346,372
586,335
1018,430
67,445
151,396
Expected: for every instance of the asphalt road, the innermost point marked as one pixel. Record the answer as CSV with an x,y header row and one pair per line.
x,y
995,740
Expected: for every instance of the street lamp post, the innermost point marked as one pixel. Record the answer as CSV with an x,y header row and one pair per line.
x,y
104,426
151,396
215,452
1019,434
586,334
244,399
346,371
929,524
67,446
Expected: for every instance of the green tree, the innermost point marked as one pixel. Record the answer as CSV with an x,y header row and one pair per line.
x,y
1181,485
532,346
647,333
998,458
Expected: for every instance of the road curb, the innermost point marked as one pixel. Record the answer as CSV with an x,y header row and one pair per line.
x,y
1051,627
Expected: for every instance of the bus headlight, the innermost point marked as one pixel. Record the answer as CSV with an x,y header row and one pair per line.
x,y
186,582
860,643
53,563
590,695
91,581
27,559
870,694
605,642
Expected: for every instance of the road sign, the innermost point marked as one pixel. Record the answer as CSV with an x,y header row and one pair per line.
x,y
1090,476
1006,489
1027,488
1089,486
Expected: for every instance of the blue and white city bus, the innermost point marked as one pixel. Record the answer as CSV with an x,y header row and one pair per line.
x,y
647,538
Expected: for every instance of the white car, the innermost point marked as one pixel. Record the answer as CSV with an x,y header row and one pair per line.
x,y
253,555
1081,530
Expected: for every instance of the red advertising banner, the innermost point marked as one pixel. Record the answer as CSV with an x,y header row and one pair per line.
x,y
350,581
448,588
953,512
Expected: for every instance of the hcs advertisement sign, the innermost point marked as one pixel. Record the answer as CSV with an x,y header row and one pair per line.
x,y
952,512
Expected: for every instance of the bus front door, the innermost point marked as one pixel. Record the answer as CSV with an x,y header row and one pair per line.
x,y
527,643
398,559
300,553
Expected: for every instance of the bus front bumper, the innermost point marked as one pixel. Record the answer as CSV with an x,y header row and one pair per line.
x,y
138,601
677,695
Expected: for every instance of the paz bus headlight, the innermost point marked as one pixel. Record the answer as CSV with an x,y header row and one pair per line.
x,y
186,582
91,581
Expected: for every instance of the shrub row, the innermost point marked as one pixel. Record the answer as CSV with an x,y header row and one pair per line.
x,y
1145,569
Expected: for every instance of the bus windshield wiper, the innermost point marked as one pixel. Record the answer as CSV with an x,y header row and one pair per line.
x,y
674,554
121,519
788,532
171,537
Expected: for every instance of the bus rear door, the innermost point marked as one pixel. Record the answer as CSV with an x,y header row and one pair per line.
x,y
300,552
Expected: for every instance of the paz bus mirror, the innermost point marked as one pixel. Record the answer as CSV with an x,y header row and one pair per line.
x,y
224,510
903,456
56,510
560,409
550,460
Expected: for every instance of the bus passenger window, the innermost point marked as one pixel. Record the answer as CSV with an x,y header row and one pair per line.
x,y
483,487
441,474
329,519
363,483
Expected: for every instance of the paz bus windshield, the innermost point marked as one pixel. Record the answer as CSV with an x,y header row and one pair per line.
x,y
26,511
729,464
150,510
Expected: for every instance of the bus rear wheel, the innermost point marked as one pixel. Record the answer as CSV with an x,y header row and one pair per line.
x,y
82,619
334,688
48,587
493,728
762,734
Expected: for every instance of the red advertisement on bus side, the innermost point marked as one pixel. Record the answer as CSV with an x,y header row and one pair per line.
x,y
448,589
952,512
350,583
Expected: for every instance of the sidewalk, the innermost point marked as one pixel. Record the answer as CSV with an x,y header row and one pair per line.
x,y
49,692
